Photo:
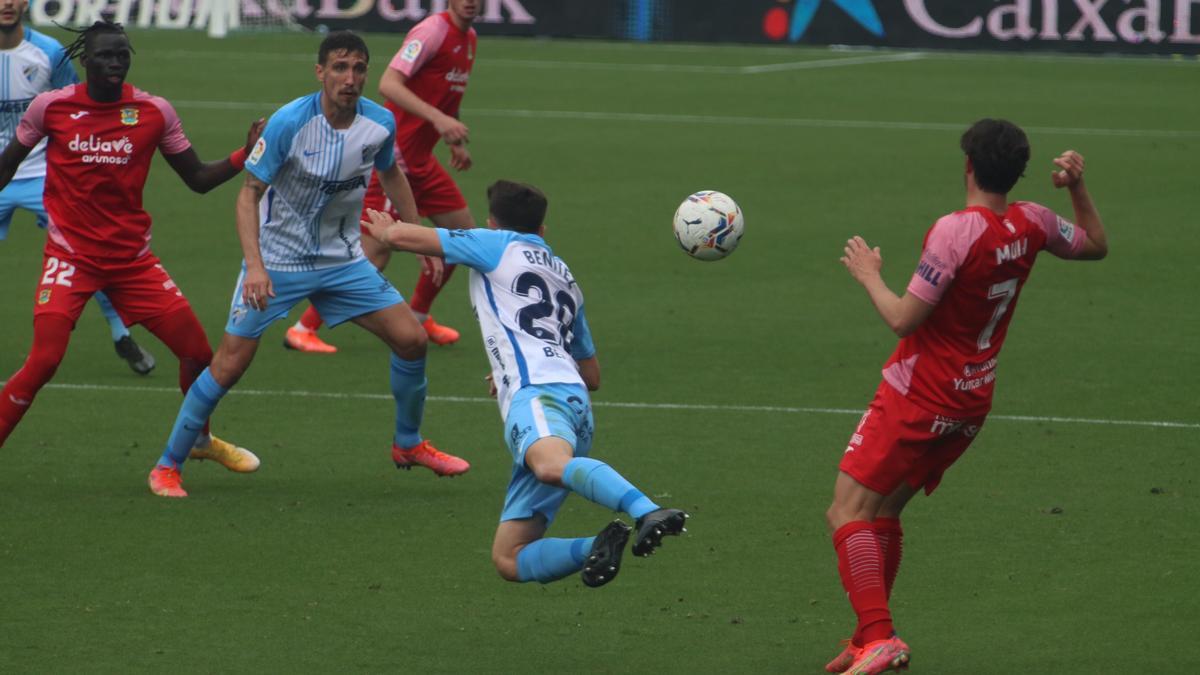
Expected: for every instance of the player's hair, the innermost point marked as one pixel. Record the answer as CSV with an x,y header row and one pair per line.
x,y
79,45
999,151
516,206
342,40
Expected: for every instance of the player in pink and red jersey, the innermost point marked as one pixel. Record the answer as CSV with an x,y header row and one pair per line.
x,y
937,385
102,135
423,87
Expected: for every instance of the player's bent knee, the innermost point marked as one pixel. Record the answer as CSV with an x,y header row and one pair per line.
x,y
506,566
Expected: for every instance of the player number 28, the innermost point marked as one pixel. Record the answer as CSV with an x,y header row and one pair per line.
x,y
58,272
562,308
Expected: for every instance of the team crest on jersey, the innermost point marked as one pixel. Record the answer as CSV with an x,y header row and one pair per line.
x,y
411,51
30,72
369,151
129,116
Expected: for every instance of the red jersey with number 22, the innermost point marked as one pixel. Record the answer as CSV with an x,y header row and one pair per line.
x,y
973,267
436,59
97,160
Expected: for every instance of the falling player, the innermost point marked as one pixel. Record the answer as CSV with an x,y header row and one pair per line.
x,y
34,63
102,135
937,386
423,87
543,361
297,218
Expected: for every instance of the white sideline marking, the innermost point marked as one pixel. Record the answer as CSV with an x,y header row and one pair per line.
x,y
546,64
670,118
832,63
636,406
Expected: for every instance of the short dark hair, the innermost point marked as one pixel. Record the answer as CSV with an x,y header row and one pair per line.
x,y
999,151
516,206
342,40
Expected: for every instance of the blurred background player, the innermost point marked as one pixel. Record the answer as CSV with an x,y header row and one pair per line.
x,y
32,63
311,168
937,385
102,136
423,86
543,364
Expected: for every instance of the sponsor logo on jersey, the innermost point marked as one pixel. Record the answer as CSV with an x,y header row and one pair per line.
x,y
456,76
517,435
927,272
332,187
99,151
257,152
129,116
1012,251
411,51
44,296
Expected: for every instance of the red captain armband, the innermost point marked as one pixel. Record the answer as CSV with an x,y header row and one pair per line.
x,y
238,158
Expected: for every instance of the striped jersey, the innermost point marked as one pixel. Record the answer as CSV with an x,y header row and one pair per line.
x,y
32,67
529,307
309,216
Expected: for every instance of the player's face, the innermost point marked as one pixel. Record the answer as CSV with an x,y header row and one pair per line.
x,y
343,76
10,13
107,59
466,10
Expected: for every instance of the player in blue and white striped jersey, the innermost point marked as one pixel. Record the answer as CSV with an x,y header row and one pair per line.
x,y
298,221
536,334
32,63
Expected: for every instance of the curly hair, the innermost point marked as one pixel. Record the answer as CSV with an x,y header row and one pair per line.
x,y
999,151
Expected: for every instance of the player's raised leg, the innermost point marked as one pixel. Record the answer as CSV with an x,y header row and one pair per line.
x,y
397,327
553,462
428,287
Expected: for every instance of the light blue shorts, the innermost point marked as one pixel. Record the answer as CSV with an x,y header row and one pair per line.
x,y
22,194
538,411
339,294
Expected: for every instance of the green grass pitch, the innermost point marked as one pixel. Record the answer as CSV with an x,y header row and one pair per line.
x,y
1063,546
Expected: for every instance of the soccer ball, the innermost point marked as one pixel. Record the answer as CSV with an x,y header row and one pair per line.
x,y
708,225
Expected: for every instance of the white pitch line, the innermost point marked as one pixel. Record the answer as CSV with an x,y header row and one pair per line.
x,y
832,63
735,120
630,405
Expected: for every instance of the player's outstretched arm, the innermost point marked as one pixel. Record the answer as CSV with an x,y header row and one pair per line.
x,y
393,87
902,314
1070,176
10,159
395,185
202,176
403,236
256,283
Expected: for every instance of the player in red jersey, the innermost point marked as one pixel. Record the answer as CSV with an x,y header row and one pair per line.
x,y
937,385
423,87
102,137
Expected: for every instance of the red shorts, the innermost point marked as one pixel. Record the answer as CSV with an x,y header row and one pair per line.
x,y
433,189
139,289
898,441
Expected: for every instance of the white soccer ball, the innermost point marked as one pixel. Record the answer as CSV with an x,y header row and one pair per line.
x,y
708,225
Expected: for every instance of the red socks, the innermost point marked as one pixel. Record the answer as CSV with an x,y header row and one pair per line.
x,y
311,318
861,566
891,544
51,333
426,291
182,333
